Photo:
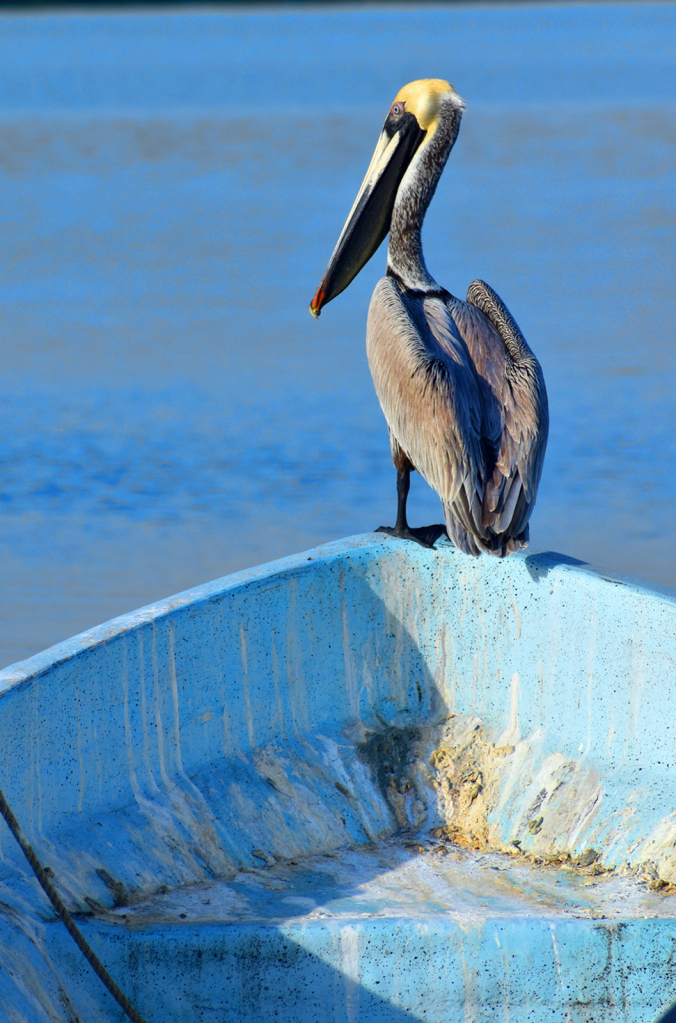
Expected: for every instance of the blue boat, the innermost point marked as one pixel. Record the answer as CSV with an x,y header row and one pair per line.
x,y
370,782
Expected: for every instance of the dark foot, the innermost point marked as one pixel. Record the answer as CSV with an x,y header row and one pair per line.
x,y
426,536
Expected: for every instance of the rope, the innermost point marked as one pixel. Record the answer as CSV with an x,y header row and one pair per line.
x,y
61,911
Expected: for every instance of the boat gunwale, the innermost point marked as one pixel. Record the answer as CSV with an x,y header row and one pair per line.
x,y
15,676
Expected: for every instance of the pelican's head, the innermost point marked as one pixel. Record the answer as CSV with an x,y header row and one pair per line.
x,y
410,123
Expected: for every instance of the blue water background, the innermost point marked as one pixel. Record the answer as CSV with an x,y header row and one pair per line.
x,y
172,184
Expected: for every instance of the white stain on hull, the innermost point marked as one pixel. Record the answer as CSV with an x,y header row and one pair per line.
x,y
349,959
559,973
512,734
128,736
80,758
275,682
245,687
351,681
146,741
159,726
174,699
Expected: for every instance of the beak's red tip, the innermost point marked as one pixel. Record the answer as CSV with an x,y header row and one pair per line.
x,y
317,303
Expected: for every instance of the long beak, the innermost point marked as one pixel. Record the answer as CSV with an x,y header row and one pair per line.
x,y
369,219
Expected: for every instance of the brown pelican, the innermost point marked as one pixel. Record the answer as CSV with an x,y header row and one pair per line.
x,y
463,395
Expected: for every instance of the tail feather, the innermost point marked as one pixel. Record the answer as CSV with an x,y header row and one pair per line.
x,y
495,543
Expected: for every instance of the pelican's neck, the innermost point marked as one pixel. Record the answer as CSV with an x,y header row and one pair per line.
x,y
405,255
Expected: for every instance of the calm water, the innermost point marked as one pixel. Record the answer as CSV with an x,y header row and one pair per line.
x,y
172,185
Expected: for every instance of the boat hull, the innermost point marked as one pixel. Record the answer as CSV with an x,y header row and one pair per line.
x,y
468,718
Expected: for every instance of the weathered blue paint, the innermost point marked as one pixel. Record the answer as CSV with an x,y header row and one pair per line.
x,y
227,743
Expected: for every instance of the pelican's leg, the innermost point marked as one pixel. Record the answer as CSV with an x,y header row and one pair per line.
x,y
426,536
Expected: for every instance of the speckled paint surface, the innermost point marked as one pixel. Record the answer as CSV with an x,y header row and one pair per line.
x,y
369,782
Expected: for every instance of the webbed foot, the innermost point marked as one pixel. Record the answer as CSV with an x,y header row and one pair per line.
x,y
426,536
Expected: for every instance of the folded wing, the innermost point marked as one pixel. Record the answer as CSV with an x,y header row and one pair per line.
x,y
495,341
